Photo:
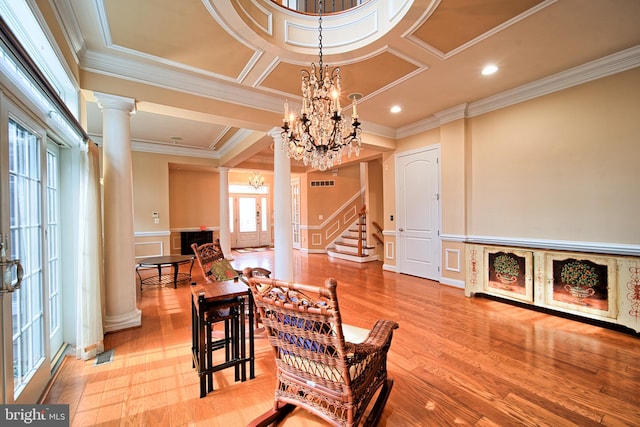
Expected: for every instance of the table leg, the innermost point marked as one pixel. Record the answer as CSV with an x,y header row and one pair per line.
x,y
252,373
194,333
243,351
175,275
201,350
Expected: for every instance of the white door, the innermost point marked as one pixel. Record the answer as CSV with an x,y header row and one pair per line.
x,y
253,223
295,212
248,215
418,213
25,312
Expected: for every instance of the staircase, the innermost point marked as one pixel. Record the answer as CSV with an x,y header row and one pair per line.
x,y
352,245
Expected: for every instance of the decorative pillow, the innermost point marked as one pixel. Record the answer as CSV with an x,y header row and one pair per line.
x,y
221,270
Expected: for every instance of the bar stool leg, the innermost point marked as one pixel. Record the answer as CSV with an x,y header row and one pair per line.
x,y
209,351
243,349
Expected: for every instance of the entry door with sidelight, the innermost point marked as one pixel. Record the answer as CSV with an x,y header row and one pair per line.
x,y
253,224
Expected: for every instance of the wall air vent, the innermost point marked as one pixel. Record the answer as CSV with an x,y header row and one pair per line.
x,y
329,183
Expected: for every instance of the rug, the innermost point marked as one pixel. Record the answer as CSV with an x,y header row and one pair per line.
x,y
258,249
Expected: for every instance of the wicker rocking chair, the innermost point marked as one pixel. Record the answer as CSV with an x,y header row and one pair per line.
x,y
209,253
317,368
216,268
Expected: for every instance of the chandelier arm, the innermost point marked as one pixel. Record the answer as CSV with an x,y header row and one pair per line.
x,y
320,133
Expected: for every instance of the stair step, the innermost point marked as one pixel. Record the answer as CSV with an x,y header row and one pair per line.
x,y
334,253
352,245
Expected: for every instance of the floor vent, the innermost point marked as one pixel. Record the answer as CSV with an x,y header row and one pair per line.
x,y
104,358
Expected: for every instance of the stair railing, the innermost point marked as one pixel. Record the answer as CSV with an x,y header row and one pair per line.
x,y
362,220
375,235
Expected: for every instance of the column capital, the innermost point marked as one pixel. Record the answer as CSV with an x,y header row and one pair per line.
x,y
276,134
223,169
106,100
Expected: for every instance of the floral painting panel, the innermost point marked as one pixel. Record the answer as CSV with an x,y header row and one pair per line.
x,y
581,282
507,274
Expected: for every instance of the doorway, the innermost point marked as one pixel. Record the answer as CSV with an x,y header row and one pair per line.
x,y
251,215
31,315
418,212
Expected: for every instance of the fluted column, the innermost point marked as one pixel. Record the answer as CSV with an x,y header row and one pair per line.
x,y
225,240
119,253
283,234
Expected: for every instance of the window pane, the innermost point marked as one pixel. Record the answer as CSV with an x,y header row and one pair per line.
x,y
247,214
231,217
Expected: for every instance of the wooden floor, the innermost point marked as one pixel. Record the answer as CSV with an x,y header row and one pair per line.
x,y
455,361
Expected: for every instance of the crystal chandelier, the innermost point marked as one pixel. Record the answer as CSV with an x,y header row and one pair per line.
x,y
320,135
256,180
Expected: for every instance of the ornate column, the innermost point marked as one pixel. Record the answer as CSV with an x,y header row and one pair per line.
x,y
119,253
283,234
225,240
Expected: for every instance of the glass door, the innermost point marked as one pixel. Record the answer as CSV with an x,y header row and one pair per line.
x,y
253,221
24,312
248,222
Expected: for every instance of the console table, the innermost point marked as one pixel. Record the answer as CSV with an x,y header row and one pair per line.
x,y
602,287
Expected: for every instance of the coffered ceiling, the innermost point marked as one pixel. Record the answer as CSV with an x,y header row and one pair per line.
x,y
210,76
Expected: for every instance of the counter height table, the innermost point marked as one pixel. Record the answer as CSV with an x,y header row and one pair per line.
x,y
206,297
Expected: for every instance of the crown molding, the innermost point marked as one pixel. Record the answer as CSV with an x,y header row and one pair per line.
x,y
157,148
603,67
597,69
150,74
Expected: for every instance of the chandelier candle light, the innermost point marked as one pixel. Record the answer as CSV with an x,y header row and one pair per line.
x,y
320,135
256,180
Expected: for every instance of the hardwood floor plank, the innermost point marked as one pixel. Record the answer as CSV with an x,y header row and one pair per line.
x,y
455,361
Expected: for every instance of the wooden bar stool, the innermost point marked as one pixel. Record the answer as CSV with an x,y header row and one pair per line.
x,y
231,314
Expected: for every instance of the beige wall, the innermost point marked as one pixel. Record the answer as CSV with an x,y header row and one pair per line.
x,y
560,167
194,197
151,193
323,201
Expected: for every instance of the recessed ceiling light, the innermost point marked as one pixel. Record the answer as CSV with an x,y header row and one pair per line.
x,y
396,109
489,69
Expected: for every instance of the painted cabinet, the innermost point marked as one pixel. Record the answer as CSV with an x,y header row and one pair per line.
x,y
596,286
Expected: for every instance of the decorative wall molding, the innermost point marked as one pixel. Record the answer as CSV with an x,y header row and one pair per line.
x,y
452,282
562,245
452,260
453,238
151,233
389,250
159,252
392,268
